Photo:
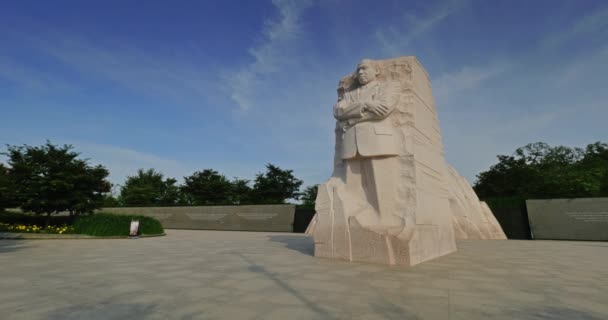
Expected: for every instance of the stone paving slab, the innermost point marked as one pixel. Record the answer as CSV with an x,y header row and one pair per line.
x,y
50,236
255,275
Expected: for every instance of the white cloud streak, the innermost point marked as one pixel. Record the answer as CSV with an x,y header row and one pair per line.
x,y
29,78
140,72
578,70
394,39
594,23
123,162
271,54
466,79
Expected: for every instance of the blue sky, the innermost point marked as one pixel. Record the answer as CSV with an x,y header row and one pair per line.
x,y
181,86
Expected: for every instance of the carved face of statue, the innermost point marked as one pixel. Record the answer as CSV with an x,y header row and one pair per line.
x,y
366,72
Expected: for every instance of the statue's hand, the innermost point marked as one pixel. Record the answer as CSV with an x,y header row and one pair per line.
x,y
377,109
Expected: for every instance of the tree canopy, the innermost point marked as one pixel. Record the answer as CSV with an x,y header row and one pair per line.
x,y
7,189
241,192
539,171
207,187
309,196
275,186
51,179
149,188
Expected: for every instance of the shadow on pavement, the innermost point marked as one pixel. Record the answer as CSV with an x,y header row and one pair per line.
x,y
11,245
311,305
553,313
301,244
601,244
384,309
103,310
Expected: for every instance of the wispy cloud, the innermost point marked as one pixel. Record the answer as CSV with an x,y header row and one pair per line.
x,y
123,162
593,23
142,72
30,78
529,125
467,78
394,39
270,55
472,146
583,68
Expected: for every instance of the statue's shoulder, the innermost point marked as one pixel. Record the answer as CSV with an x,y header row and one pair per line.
x,y
390,85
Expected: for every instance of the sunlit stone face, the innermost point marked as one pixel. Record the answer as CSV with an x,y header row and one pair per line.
x,y
366,72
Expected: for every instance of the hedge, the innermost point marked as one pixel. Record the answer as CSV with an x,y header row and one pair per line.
x,y
107,224
99,224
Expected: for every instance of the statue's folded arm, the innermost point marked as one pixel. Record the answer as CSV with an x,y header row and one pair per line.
x,y
345,111
387,99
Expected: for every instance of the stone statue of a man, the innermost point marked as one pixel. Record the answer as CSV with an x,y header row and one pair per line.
x,y
392,198
369,144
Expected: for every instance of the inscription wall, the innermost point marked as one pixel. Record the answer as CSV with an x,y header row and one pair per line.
x,y
277,218
569,219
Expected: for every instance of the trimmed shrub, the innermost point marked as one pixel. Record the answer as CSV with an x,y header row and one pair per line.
x,y
107,224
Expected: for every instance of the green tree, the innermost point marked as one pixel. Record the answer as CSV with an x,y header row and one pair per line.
x,y
149,188
595,161
109,201
241,192
538,170
207,187
275,186
51,179
309,196
7,189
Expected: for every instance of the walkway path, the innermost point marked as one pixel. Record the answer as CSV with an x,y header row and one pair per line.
x,y
247,275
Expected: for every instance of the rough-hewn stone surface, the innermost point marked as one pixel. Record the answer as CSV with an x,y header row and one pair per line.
x,y
392,198
472,218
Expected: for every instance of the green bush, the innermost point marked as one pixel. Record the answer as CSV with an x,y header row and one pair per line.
x,y
101,224
108,224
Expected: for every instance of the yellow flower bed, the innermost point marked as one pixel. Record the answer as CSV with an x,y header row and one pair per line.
x,y
35,229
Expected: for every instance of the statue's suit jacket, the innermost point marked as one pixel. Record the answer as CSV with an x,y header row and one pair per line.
x,y
363,131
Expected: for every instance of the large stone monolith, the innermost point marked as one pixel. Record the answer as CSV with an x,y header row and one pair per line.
x,y
392,197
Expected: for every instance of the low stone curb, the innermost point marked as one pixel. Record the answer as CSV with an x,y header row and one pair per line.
x,y
51,236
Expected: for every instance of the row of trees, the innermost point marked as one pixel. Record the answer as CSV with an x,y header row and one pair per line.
x,y
209,187
540,171
49,179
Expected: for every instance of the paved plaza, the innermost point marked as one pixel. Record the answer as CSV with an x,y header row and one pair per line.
x,y
255,275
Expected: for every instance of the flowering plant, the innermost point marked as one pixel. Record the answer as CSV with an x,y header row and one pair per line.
x,y
35,229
